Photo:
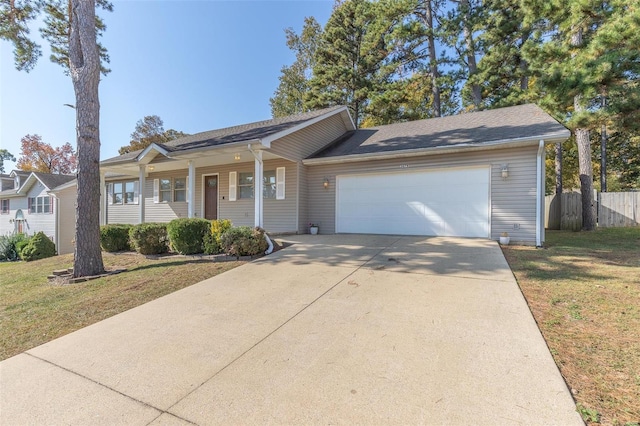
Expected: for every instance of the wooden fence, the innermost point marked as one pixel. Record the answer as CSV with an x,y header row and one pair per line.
x,y
614,209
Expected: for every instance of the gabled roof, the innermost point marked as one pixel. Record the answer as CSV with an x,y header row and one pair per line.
x,y
49,180
477,129
257,131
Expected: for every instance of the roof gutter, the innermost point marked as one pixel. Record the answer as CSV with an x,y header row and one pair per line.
x,y
466,147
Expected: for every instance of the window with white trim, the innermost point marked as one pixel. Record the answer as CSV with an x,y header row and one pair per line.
x,y
180,189
40,205
245,185
125,192
167,190
269,184
4,206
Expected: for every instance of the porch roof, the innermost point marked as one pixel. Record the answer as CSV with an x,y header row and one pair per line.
x,y
260,132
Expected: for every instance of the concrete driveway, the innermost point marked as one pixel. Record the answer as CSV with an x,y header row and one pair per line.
x,y
333,330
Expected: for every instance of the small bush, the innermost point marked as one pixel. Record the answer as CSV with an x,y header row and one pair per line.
x,y
244,241
11,246
149,238
213,241
187,235
39,247
115,238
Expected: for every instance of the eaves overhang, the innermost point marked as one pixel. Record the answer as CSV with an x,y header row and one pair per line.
x,y
463,147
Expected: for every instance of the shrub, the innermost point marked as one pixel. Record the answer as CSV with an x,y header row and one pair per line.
x,y
244,241
115,238
149,238
213,240
39,247
21,244
187,235
12,245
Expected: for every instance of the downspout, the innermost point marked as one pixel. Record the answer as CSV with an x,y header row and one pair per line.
x,y
270,249
539,193
258,173
57,213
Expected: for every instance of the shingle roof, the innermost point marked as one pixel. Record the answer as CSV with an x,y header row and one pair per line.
x,y
51,180
243,132
476,128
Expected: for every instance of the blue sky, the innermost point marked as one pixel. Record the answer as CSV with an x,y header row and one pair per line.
x,y
199,65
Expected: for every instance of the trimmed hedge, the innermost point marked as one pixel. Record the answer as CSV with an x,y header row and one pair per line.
x,y
115,237
39,247
149,238
187,235
213,240
244,241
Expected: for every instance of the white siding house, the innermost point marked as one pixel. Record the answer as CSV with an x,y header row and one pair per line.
x,y
29,207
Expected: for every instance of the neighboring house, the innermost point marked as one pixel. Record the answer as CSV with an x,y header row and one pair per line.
x,y
28,206
471,175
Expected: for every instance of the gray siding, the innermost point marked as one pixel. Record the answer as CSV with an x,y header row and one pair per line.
x,y
309,140
512,200
303,204
165,211
122,213
279,215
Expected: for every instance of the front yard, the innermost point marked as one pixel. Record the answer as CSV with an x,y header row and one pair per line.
x,y
584,292
33,312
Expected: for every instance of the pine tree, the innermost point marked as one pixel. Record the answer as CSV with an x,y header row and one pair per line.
x,y
288,98
72,29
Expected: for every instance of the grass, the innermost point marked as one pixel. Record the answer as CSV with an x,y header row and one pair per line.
x,y
33,312
584,291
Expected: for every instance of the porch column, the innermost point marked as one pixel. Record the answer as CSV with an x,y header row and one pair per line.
x,y
191,190
258,184
141,185
103,199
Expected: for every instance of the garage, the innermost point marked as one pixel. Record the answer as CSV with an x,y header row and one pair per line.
x,y
443,202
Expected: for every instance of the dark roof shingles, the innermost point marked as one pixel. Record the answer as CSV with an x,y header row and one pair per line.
x,y
244,132
477,128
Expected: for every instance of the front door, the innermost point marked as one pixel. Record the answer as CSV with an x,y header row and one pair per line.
x,y
211,197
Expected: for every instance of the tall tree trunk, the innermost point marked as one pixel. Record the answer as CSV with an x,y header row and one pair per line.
x,y
524,66
584,158
603,151
467,31
433,60
84,67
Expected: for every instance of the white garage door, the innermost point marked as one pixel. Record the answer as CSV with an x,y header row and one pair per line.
x,y
443,203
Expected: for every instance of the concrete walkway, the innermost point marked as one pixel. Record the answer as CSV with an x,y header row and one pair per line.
x,y
333,330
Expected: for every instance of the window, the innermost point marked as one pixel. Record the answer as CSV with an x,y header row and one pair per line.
x,y
180,189
123,192
117,193
269,184
170,190
40,205
245,185
4,206
165,190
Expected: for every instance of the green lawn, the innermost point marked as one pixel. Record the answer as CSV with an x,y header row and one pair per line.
x,y
584,291
33,312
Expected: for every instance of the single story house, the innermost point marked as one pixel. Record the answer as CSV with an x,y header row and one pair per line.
x,y
471,175
29,204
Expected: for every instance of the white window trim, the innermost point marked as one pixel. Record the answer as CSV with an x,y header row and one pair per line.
x,y
156,190
136,192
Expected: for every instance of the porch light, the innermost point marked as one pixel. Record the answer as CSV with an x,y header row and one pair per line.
x,y
236,157
505,171
325,183
152,168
